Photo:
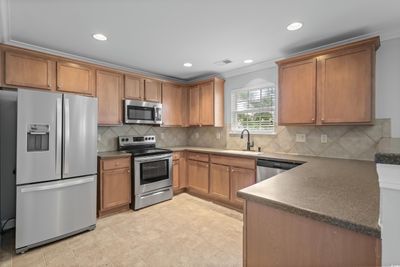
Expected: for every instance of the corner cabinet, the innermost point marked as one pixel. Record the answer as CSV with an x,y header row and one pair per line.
x,y
109,94
206,103
114,185
334,86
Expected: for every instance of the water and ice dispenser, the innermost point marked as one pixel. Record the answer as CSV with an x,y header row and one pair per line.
x,y
38,137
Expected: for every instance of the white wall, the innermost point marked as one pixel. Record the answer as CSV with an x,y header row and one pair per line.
x,y
387,83
261,77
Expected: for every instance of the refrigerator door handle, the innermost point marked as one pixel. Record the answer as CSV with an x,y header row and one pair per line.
x,y
66,135
57,186
58,135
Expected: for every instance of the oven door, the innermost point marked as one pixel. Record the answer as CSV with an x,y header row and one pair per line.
x,y
142,112
152,172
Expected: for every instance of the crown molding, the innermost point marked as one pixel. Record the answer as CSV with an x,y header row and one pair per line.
x,y
384,36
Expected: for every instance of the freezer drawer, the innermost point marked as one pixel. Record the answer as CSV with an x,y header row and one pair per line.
x,y
51,210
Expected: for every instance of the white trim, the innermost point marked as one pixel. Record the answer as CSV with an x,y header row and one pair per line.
x,y
93,61
4,23
389,176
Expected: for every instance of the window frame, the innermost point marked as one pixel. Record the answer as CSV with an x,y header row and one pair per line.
x,y
233,131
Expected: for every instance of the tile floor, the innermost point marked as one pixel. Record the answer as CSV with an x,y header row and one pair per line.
x,y
185,231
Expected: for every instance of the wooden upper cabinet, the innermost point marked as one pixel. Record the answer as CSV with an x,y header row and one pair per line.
x,y
134,87
152,90
346,87
24,69
297,92
341,77
194,105
172,105
109,94
207,103
75,78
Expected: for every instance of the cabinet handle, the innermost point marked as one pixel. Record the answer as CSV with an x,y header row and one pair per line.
x,y
313,119
129,171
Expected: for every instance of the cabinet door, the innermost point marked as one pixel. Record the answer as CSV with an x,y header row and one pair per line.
x,y
198,175
115,188
182,172
194,105
297,91
346,86
134,87
75,78
29,70
240,178
175,174
207,103
172,105
108,92
219,181
152,90
185,106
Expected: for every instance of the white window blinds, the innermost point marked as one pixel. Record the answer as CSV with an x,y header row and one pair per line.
x,y
254,109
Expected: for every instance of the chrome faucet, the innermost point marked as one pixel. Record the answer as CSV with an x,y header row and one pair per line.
x,y
248,145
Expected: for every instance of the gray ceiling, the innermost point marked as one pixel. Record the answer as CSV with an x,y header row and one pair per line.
x,y
160,35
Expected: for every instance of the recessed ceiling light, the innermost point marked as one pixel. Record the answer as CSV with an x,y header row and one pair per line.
x,y
188,64
100,37
294,26
248,61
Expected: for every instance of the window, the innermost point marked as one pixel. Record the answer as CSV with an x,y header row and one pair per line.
x,y
254,109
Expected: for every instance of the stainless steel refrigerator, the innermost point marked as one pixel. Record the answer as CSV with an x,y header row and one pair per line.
x,y
56,166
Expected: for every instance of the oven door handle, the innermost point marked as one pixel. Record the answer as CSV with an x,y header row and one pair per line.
x,y
153,158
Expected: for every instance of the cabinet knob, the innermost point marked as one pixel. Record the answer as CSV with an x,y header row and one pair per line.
x,y
129,171
313,119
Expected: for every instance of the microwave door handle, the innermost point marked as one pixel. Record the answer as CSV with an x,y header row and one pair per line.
x,y
155,114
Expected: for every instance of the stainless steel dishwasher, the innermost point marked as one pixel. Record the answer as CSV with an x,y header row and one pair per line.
x,y
267,168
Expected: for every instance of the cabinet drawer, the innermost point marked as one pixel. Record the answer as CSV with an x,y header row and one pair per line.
x,y
198,156
111,164
234,161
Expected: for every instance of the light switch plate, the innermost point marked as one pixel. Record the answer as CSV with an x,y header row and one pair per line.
x,y
324,139
162,135
218,135
196,135
300,138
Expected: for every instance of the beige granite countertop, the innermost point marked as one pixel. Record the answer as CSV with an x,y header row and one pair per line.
x,y
341,192
113,154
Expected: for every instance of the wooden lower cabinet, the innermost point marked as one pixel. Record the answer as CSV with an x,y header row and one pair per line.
x,y
198,176
220,181
114,185
273,237
240,178
175,174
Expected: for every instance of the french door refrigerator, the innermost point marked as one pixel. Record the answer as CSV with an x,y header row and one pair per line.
x,y
56,166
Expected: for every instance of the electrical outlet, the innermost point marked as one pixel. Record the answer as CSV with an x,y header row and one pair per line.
x,y
162,136
196,135
99,138
218,135
324,138
300,138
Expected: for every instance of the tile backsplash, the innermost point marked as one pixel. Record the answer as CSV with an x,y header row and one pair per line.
x,y
352,142
166,137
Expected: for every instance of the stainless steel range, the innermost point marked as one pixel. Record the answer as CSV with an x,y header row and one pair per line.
x,y
152,170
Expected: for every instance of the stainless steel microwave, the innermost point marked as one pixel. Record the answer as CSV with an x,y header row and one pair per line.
x,y
141,112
